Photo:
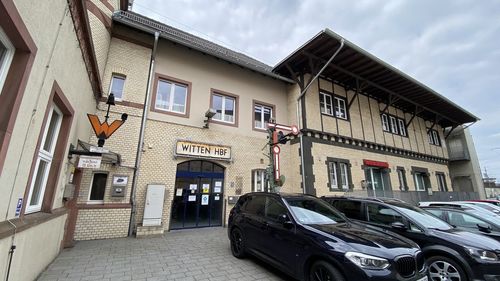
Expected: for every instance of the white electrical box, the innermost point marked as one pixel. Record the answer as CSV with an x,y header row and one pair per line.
x,y
153,209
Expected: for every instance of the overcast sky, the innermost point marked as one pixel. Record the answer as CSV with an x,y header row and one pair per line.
x,y
451,46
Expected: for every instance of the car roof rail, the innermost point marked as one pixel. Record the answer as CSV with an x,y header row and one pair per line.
x,y
443,206
376,199
391,199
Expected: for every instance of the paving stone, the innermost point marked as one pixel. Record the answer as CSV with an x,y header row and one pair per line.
x,y
183,255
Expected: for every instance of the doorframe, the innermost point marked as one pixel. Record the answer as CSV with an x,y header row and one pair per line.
x,y
199,177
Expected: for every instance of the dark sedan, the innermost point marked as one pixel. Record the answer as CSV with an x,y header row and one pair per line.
x,y
308,239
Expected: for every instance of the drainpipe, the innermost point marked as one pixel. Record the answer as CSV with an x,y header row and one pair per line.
x,y
299,113
140,144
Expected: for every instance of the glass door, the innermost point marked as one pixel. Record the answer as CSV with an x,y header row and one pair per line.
x,y
374,178
198,196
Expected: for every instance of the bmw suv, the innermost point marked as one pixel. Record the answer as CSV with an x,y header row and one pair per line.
x,y
306,238
451,253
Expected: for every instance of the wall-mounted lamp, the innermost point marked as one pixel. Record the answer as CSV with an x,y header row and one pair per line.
x,y
209,114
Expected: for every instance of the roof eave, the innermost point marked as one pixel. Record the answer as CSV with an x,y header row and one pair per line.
x,y
151,30
384,64
397,71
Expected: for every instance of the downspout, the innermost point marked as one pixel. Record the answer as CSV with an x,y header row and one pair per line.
x,y
299,114
140,143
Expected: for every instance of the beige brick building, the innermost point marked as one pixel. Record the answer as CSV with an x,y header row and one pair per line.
x,y
195,134
49,81
360,135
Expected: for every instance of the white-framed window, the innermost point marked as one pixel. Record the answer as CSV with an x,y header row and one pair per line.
x,y
225,108
340,108
44,160
98,187
116,86
339,175
419,181
326,103
171,96
333,175
430,138
441,182
433,136
385,122
394,125
7,51
259,182
402,127
262,114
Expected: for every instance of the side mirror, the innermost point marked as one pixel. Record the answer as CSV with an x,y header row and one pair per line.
x,y
484,228
398,226
285,221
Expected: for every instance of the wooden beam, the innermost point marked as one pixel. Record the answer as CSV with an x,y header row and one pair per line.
x,y
417,111
294,76
451,130
343,70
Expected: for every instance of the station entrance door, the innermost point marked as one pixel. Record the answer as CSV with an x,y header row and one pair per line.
x,y
198,195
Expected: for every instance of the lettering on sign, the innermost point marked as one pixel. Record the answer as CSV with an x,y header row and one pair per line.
x,y
89,162
202,150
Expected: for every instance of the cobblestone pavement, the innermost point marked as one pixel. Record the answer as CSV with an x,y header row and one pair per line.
x,y
197,254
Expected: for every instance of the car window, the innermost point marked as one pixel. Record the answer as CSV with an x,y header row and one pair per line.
x,y
436,212
241,203
352,209
274,209
420,216
464,220
382,215
255,205
415,228
314,211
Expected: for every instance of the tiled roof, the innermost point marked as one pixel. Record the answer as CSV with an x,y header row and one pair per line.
x,y
189,40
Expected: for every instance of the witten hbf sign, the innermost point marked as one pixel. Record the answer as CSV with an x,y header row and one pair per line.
x,y
202,150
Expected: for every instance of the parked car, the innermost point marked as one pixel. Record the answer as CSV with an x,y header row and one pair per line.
x,y
489,201
451,253
469,219
306,238
482,208
489,207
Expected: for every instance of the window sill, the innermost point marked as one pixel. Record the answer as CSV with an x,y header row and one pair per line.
x,y
219,122
333,116
262,130
28,221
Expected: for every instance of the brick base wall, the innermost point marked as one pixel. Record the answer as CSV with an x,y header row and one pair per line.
x,y
102,223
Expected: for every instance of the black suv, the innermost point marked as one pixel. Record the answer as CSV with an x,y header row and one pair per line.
x,y
451,253
306,238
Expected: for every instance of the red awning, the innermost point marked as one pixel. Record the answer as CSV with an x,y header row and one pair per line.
x,y
373,163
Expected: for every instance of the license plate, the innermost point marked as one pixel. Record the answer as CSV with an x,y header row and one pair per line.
x,y
423,279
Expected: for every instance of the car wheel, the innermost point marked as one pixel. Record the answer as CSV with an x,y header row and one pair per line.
x,y
445,269
237,244
323,271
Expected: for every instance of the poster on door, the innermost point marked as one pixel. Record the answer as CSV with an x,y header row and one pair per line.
x,y
206,188
204,200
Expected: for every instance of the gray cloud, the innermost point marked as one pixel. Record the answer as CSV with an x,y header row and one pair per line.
x,y
451,46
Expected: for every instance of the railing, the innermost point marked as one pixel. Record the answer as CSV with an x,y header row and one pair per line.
x,y
413,197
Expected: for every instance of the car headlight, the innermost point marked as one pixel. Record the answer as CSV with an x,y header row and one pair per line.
x,y
483,255
367,261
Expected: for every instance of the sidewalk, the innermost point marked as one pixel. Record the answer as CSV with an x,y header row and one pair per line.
x,y
196,254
